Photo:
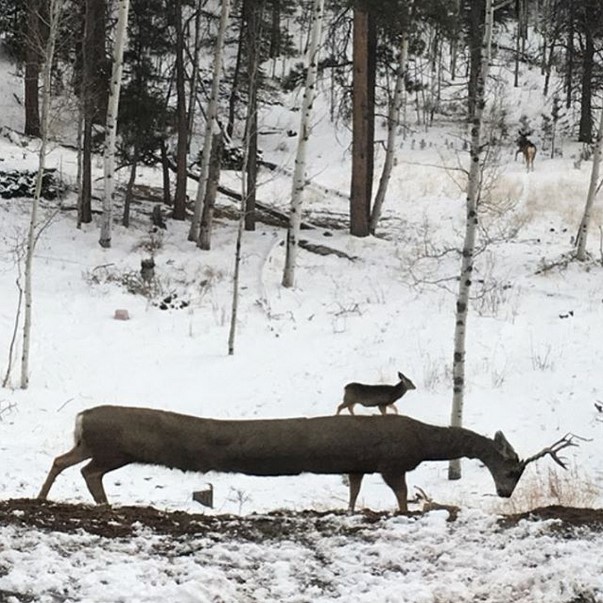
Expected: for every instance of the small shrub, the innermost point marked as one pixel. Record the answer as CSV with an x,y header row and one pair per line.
x,y
164,292
542,359
6,408
435,373
152,244
131,280
239,497
493,297
498,377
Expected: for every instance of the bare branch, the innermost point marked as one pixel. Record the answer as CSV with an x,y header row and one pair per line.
x,y
501,4
435,165
428,504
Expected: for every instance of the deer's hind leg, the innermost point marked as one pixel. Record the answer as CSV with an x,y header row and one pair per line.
x,y
397,482
76,455
93,473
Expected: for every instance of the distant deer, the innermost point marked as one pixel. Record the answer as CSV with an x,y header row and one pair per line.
x,y
375,395
528,149
115,436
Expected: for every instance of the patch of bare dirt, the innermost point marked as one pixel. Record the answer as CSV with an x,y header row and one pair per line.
x,y
115,522
119,522
568,517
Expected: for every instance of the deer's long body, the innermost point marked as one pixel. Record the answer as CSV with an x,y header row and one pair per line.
x,y
256,447
115,436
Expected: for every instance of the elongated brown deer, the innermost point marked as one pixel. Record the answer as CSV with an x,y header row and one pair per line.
x,y
382,396
115,436
528,149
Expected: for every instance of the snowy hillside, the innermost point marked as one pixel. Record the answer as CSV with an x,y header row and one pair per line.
x,y
534,372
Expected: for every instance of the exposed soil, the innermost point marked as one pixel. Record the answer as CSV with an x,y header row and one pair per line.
x,y
568,517
115,522
125,521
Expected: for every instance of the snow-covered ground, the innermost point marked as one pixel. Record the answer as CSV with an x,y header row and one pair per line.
x,y
395,560
534,372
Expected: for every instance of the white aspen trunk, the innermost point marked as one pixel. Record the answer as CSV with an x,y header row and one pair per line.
x,y
299,179
473,191
111,127
209,201
593,187
392,125
54,11
13,341
210,125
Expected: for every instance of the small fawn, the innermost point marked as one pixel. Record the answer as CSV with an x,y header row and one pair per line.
x,y
375,395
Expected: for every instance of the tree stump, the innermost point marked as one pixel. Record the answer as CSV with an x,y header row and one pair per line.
x,y
147,269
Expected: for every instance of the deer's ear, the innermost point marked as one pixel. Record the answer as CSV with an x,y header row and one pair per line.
x,y
400,376
503,445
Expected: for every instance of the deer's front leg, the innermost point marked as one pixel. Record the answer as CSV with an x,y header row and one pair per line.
x,y
397,482
355,482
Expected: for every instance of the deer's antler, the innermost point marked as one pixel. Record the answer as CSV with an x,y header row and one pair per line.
x,y
569,439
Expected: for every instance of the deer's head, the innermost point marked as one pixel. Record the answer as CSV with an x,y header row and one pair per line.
x,y
406,382
507,467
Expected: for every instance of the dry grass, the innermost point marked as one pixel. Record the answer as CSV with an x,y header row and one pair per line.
x,y
437,372
564,195
551,486
503,192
